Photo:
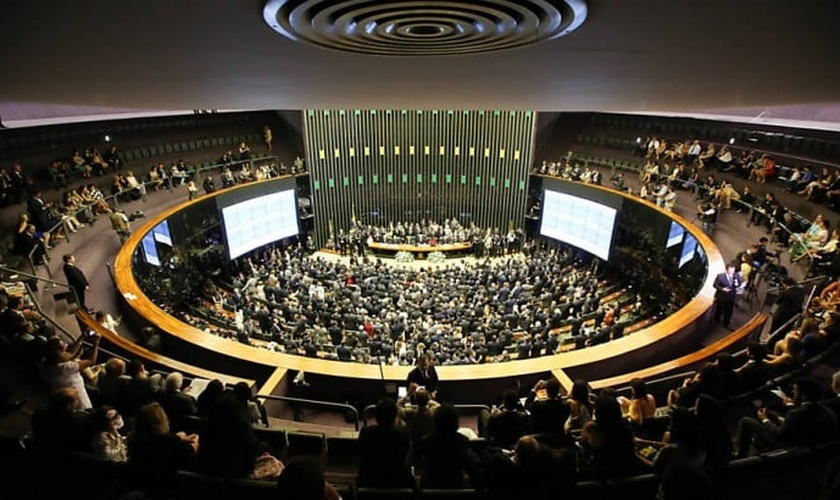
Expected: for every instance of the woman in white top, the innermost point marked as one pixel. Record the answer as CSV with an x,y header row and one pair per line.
x,y
63,366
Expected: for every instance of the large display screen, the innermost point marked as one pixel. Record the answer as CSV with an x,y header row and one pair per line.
x,y
688,250
161,233
150,253
675,235
258,221
580,222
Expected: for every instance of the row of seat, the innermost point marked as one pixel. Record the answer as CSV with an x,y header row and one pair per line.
x,y
783,141
798,472
13,139
150,152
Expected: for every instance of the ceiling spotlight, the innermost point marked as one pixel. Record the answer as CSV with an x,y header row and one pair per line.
x,y
107,138
731,140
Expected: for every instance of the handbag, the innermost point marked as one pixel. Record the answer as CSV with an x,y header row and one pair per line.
x,y
267,467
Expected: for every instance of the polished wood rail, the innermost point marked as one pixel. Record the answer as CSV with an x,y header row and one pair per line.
x,y
641,346
151,357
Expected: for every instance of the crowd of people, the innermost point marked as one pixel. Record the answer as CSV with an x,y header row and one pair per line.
x,y
365,310
483,242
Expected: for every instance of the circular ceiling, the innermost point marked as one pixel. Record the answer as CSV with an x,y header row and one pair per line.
x,y
423,28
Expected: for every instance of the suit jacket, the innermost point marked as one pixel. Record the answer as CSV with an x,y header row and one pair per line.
x,y
75,277
723,282
807,424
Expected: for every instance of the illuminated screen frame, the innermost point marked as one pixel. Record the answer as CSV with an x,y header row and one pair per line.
x,y
258,221
580,222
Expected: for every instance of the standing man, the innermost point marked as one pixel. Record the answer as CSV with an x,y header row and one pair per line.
x,y
727,285
424,375
76,279
708,215
119,223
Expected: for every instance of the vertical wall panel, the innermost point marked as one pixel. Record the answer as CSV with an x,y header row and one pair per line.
x,y
418,186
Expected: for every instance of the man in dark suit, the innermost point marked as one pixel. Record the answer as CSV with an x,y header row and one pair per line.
x,y
726,286
76,279
807,423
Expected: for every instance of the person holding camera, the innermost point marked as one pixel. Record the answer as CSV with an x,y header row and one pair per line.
x,y
707,212
63,365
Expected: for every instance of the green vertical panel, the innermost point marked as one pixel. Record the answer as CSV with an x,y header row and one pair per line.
x,y
390,178
434,178
357,112
477,180
331,182
375,179
449,178
419,178
404,178
311,112
341,112
522,185
316,184
463,179
326,112
361,180
492,182
507,183
346,181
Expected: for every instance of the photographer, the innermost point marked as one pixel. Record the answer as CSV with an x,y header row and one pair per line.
x,y
707,212
63,365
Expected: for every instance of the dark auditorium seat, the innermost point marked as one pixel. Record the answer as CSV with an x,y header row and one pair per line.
x,y
385,494
301,443
276,439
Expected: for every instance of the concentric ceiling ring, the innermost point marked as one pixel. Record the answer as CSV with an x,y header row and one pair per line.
x,y
423,28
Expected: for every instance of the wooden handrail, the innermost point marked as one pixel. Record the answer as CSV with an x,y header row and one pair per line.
x,y
148,355
751,326
679,321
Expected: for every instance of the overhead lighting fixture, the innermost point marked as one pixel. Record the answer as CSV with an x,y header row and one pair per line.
x,y
411,28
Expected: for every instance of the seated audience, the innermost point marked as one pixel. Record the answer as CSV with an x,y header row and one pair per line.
x,y
446,458
807,423
640,405
151,445
108,441
607,441
229,446
419,416
385,451
176,400
508,423
548,411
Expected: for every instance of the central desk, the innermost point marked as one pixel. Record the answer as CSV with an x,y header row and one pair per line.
x,y
419,251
